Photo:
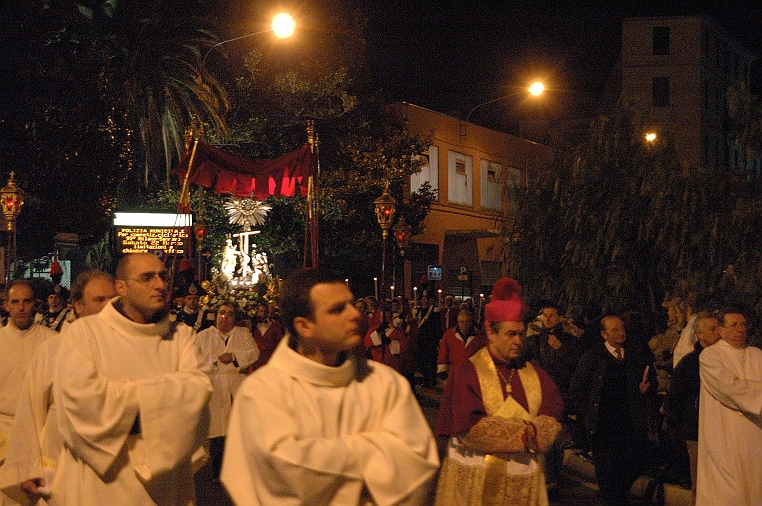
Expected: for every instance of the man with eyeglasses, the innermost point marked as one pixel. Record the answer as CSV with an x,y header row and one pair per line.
x,y
730,417
132,395
228,350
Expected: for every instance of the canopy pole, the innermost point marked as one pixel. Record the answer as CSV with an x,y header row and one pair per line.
x,y
311,224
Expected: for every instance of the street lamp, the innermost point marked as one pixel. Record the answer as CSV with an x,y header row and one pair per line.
x,y
11,199
282,26
385,206
535,89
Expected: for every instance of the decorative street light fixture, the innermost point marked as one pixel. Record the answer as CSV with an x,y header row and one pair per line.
x,y
11,199
402,234
386,206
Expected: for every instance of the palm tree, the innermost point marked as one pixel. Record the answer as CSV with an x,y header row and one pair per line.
x,y
165,86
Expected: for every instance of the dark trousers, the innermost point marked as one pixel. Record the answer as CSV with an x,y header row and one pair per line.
x,y
427,360
216,451
618,463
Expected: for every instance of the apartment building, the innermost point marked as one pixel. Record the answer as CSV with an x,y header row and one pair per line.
x,y
468,165
680,69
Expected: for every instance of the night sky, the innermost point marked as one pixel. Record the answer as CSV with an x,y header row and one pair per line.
x,y
450,56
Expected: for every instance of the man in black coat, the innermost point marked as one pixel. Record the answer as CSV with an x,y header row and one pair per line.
x,y
681,405
612,390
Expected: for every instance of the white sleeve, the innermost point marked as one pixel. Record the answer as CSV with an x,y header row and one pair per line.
x,y
244,347
267,454
720,380
96,413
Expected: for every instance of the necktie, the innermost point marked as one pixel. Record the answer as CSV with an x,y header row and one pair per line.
x,y
619,356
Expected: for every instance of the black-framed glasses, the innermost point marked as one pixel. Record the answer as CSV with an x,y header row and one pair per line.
x,y
146,278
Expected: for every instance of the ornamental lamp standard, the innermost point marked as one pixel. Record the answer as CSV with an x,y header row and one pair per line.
x,y
402,234
11,199
386,206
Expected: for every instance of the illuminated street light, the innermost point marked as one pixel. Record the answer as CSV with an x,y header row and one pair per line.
x,y
650,136
11,199
385,206
282,26
535,89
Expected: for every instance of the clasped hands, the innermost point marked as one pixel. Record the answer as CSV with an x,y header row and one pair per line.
x,y
497,434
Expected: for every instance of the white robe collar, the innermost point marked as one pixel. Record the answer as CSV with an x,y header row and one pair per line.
x,y
115,319
302,368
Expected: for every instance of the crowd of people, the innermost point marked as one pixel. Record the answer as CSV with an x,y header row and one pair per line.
x,y
117,397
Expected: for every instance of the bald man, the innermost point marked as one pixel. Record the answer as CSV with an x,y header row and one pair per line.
x,y
132,396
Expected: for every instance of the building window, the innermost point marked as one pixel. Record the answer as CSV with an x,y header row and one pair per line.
x,y
660,40
491,185
459,178
429,172
661,91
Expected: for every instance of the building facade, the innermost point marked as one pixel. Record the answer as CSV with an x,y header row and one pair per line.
x,y
680,68
472,168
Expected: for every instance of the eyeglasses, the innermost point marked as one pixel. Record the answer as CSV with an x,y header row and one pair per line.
x,y
146,278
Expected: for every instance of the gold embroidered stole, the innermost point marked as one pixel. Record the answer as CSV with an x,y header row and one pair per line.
x,y
495,478
492,391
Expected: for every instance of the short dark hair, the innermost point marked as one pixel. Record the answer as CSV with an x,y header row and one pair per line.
x,y
226,303
731,309
295,295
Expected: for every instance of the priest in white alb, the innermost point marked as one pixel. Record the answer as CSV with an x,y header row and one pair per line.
x,y
19,340
730,418
228,350
132,398
35,441
318,425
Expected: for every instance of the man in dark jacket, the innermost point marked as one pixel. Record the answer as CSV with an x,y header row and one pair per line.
x,y
681,406
612,390
558,353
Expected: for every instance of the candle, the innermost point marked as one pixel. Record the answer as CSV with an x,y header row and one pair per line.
x,y
392,289
439,299
415,295
375,287
481,303
346,282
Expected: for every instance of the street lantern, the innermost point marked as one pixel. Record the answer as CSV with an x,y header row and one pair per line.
x,y
386,206
402,234
12,199
201,229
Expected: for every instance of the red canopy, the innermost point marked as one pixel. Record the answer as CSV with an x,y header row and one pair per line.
x,y
243,177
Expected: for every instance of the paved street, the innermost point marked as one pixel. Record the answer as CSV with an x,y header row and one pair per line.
x,y
578,486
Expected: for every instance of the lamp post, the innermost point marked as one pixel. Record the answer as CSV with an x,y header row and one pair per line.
x,y
535,89
402,236
282,26
11,199
385,206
